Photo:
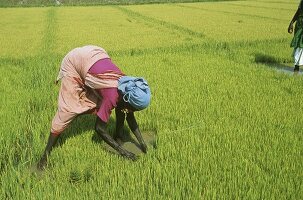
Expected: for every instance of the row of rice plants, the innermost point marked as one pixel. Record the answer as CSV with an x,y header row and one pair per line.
x,y
214,24
230,8
110,28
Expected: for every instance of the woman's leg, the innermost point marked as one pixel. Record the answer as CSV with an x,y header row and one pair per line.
x,y
296,69
52,140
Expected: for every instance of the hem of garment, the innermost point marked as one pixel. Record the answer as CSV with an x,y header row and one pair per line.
x,y
298,56
56,132
102,119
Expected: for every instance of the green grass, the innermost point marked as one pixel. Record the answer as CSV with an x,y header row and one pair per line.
x,y
228,125
219,22
19,28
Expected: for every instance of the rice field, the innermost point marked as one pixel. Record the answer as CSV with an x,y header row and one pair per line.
x,y
228,124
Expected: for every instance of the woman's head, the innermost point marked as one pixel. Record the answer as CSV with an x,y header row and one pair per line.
x,y
135,92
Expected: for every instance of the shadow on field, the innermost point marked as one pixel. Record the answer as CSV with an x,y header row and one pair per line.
x,y
87,122
78,126
273,63
129,142
84,123
12,61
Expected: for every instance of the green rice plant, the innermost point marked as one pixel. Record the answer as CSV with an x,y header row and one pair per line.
x,y
75,177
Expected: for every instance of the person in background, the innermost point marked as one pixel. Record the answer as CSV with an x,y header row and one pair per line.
x,y
92,84
297,41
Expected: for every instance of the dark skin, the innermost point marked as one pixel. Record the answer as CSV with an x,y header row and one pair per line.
x,y
123,110
131,121
294,19
128,113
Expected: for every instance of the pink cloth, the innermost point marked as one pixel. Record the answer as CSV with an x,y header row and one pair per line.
x,y
77,94
78,61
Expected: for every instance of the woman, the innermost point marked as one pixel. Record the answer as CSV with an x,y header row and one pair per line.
x,y
91,83
297,41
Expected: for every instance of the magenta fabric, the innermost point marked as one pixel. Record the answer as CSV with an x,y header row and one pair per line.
x,y
109,96
109,102
102,66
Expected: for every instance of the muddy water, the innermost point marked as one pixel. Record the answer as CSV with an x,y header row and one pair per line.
x,y
274,63
283,68
131,144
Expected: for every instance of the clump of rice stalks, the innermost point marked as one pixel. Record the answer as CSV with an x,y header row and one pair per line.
x,y
87,175
76,176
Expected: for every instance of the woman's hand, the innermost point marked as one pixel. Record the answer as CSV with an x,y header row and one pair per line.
x,y
129,155
143,147
100,128
132,123
290,27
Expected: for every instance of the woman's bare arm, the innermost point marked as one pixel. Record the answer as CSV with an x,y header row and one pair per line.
x,y
132,123
120,118
294,19
100,128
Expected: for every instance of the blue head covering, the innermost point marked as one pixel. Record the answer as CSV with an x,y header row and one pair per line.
x,y
135,91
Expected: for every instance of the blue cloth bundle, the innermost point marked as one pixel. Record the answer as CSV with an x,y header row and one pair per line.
x,y
135,91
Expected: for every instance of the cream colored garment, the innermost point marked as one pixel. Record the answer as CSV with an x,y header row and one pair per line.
x,y
298,56
76,94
